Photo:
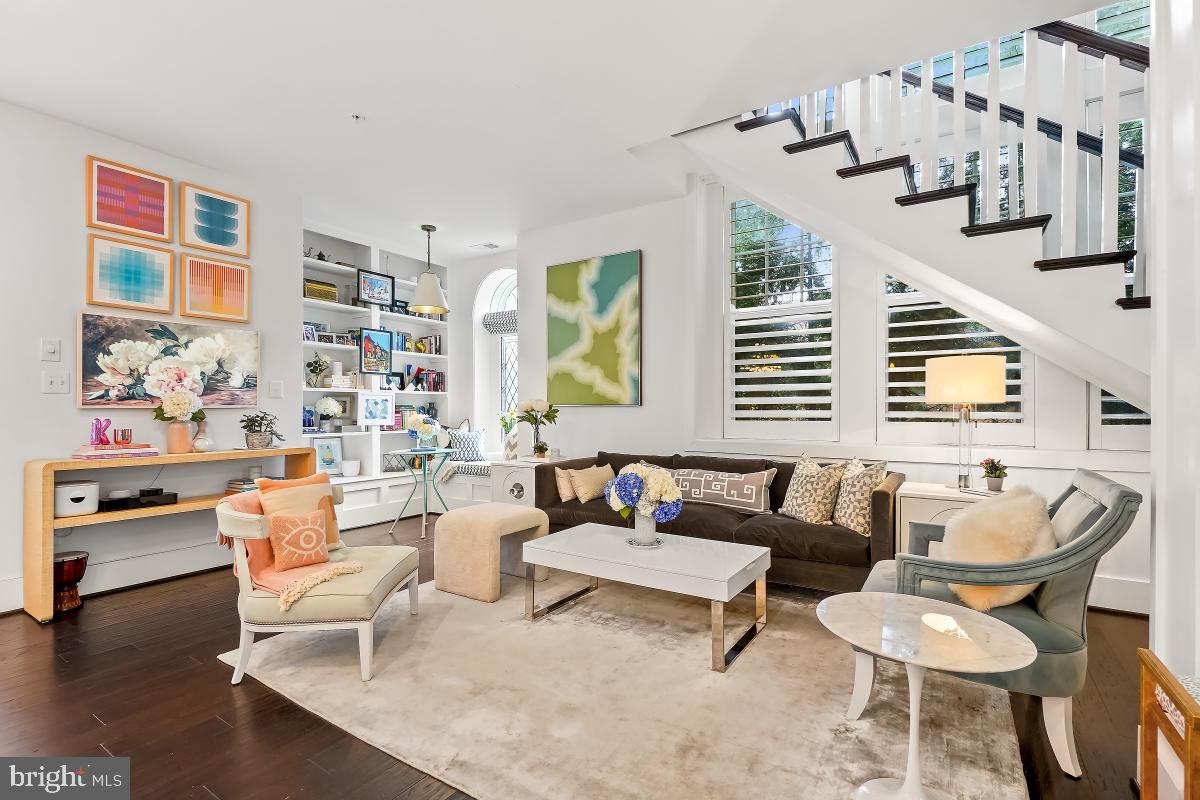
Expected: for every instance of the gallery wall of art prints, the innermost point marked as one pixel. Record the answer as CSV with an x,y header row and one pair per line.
x,y
593,331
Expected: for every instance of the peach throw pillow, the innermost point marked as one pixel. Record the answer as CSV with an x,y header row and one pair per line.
x,y
589,483
300,496
298,540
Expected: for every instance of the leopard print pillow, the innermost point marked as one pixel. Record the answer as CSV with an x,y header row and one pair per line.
x,y
853,509
813,492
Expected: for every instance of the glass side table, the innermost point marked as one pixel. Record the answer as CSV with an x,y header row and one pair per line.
x,y
428,477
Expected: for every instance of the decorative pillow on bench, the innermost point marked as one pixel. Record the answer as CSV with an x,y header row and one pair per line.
x,y
468,445
749,493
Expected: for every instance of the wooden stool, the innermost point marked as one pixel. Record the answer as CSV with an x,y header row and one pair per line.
x,y
69,567
1170,713
473,545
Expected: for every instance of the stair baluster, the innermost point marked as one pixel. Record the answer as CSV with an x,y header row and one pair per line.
x,y
1033,142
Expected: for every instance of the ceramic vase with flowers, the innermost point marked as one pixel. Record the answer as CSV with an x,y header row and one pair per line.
x,y
327,408
538,413
994,473
649,494
508,424
178,407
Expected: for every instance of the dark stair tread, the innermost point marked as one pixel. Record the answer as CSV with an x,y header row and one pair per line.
x,y
840,137
1129,303
1005,225
1093,260
966,190
882,165
775,116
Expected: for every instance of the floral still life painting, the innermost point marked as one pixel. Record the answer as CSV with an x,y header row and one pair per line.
x,y
134,363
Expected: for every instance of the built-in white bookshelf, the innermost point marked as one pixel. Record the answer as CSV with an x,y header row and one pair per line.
x,y
373,495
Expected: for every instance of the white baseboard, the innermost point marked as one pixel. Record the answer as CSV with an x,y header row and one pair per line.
x,y
1121,594
12,594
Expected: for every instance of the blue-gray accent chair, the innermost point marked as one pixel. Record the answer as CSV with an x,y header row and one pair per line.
x,y
1088,519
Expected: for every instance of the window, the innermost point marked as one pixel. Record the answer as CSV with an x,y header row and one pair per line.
x,y
1115,424
919,328
780,375
1129,20
1127,205
508,372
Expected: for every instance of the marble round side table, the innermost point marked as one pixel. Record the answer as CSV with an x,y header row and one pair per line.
x,y
922,634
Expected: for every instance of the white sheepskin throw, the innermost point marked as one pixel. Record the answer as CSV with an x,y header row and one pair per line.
x,y
1008,527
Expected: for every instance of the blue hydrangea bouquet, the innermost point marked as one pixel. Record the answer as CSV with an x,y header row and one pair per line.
x,y
650,492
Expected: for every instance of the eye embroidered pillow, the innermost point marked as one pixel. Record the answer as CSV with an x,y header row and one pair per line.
x,y
301,496
1009,527
298,540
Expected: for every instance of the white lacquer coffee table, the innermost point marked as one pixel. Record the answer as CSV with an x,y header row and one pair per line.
x,y
922,634
715,571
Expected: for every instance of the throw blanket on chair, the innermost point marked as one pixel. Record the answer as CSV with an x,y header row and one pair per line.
x,y
290,585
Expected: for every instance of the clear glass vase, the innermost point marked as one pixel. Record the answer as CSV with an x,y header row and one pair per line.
x,y
643,529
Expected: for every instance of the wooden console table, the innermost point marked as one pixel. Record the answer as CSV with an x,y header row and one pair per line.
x,y
40,522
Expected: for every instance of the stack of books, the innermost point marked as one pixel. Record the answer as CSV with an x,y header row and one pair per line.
x,y
239,485
341,382
88,452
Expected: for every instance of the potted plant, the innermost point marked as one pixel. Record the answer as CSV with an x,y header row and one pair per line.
x,y
316,369
995,473
328,408
538,413
177,407
260,430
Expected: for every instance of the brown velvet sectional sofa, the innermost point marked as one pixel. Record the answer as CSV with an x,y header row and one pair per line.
x,y
828,557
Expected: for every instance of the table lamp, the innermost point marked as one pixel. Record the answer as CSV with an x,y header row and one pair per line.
x,y
965,381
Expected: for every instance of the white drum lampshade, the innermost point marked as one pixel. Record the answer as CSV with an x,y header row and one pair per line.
x,y
965,381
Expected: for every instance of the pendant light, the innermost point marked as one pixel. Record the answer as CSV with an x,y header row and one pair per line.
x,y
429,297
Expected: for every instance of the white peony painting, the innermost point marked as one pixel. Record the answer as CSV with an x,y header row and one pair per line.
x,y
131,363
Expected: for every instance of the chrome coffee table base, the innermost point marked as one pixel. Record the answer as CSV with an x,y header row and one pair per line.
x,y
722,658
532,612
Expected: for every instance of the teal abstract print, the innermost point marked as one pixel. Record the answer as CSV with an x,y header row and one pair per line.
x,y
594,331
214,221
126,275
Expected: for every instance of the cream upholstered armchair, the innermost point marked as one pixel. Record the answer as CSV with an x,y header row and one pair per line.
x,y
347,601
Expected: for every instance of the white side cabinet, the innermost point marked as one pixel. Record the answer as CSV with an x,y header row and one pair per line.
x,y
512,482
927,502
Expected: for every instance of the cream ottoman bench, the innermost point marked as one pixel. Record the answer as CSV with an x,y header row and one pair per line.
x,y
473,545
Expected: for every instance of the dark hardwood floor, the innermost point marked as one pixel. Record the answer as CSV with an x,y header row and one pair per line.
x,y
133,673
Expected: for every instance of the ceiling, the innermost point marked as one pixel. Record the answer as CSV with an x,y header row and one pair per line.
x,y
484,118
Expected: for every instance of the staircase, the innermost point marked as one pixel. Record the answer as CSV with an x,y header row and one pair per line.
x,y
1052,278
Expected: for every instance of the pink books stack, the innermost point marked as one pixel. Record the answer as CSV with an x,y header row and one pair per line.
x,y
88,452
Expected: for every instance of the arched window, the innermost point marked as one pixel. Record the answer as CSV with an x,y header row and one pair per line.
x,y
496,350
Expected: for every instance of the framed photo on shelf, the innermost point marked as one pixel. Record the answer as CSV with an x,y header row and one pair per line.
x,y
329,454
214,221
308,419
375,352
129,275
325,338
376,288
376,409
343,338
310,332
399,306
126,200
319,327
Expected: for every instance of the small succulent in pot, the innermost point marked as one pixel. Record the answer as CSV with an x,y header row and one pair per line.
x,y
260,430
995,473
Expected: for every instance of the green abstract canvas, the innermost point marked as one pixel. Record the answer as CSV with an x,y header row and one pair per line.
x,y
594,331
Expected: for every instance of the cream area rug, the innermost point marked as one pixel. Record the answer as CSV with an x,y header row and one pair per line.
x,y
612,698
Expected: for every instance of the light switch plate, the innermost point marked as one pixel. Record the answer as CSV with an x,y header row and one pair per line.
x,y
55,381
276,389
51,349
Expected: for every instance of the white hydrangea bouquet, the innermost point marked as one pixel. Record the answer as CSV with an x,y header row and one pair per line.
x,y
424,430
650,493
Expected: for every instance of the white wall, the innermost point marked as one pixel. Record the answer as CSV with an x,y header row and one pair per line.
x,y
663,423
45,246
684,271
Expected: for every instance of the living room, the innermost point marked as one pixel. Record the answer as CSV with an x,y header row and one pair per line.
x,y
511,404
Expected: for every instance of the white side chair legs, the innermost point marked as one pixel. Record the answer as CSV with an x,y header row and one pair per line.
x,y
864,682
366,648
244,646
1056,714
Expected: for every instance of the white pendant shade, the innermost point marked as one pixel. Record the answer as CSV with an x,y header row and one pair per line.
x,y
429,297
965,379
